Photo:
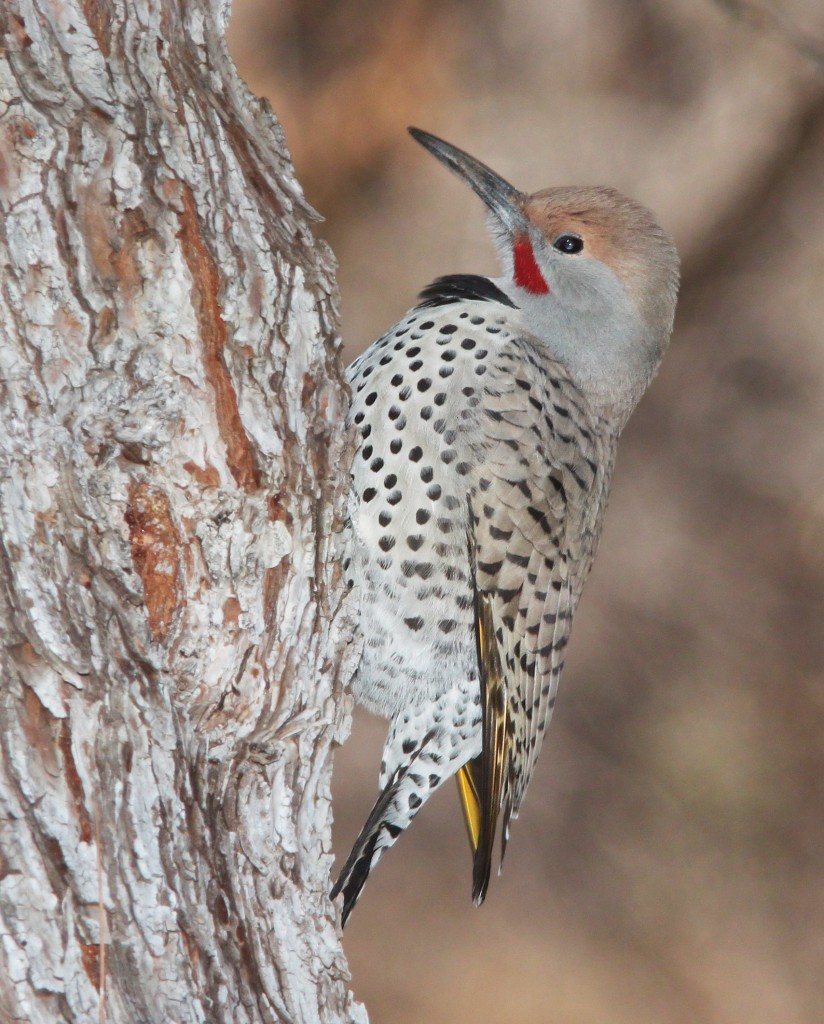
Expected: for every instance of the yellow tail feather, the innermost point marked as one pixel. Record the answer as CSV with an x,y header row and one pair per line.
x,y
470,803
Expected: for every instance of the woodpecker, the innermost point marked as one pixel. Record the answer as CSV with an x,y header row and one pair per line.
x,y
487,422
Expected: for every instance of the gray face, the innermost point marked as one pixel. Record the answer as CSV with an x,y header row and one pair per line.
x,y
590,320
589,323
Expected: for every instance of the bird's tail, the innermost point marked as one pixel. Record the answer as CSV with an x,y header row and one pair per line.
x,y
366,852
408,788
393,811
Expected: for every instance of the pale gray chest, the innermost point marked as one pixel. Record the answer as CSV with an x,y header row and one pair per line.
x,y
414,393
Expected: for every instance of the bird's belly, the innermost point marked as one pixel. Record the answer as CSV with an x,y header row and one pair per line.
x,y
410,564
402,667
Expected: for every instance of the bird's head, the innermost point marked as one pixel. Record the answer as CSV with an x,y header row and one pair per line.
x,y
593,274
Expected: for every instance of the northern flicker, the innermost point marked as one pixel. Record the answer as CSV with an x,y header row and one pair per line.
x,y
487,425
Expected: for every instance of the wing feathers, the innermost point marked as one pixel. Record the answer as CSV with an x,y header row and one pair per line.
x,y
494,750
534,522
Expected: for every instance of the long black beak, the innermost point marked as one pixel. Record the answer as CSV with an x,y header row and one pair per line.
x,y
501,198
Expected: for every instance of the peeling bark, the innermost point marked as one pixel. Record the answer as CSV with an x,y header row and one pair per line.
x,y
173,637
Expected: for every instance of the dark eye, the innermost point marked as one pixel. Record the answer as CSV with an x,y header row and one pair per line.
x,y
568,244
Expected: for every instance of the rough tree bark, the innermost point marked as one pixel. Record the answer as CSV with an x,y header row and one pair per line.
x,y
171,459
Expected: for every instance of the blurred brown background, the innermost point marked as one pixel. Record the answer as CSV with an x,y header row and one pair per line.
x,y
669,862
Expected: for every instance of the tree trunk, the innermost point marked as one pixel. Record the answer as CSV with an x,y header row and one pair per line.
x,y
171,470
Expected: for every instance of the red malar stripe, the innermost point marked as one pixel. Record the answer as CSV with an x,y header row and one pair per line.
x,y
527,273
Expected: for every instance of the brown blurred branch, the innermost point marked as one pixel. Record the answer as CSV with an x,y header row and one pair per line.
x,y
768,19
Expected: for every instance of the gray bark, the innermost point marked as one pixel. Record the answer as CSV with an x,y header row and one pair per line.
x,y
171,469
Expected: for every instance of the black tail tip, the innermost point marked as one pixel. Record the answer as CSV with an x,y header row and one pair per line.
x,y
352,880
